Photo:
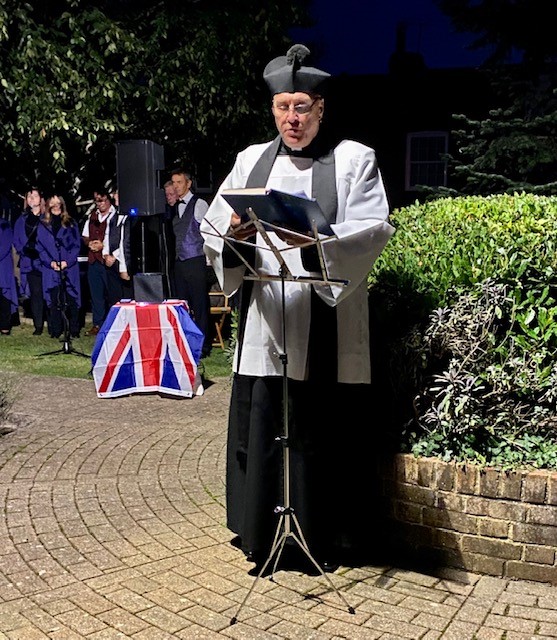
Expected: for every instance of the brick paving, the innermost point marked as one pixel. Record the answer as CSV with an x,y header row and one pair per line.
x,y
112,525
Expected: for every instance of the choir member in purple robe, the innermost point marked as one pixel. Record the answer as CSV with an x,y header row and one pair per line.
x,y
58,243
8,288
30,272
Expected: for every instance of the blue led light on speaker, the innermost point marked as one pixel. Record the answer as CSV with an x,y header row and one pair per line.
x,y
133,211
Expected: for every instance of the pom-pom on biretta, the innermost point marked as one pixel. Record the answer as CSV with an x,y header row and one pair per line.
x,y
287,74
296,55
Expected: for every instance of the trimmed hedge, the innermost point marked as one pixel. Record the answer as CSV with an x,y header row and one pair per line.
x,y
463,298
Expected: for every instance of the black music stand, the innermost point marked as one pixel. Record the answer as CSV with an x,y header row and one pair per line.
x,y
62,304
288,525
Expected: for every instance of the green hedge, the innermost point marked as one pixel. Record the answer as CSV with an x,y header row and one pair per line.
x,y
463,299
450,242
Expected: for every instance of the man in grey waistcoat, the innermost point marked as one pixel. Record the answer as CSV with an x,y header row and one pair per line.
x,y
190,265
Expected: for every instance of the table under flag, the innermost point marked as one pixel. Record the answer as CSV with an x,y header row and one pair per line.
x,y
148,347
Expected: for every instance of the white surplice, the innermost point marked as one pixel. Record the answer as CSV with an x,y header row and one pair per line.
x,y
361,228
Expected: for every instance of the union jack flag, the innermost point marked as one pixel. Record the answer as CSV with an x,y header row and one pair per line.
x,y
146,347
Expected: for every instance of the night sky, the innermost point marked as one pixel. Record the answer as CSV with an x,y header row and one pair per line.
x,y
359,36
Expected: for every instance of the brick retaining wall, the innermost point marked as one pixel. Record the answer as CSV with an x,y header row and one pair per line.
x,y
482,520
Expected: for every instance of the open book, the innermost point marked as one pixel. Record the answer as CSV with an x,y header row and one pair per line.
x,y
278,208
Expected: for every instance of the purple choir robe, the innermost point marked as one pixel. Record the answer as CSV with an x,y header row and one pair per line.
x,y
8,286
64,246
26,263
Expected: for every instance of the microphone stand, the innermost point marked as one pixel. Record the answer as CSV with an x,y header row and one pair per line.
x,y
62,304
288,525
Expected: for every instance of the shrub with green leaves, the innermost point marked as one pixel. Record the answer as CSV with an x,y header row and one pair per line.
x,y
464,297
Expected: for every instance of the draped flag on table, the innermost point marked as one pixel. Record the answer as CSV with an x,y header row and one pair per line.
x,y
146,347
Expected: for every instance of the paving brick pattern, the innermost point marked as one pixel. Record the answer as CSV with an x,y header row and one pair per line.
x,y
112,526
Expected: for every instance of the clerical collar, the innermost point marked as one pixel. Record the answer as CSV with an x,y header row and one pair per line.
x,y
284,150
313,150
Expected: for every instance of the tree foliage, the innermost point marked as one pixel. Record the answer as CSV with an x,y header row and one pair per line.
x,y
76,76
507,28
512,148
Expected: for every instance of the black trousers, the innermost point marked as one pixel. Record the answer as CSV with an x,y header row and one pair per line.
x,y
190,283
5,313
114,285
37,305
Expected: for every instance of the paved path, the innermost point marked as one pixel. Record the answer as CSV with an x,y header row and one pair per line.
x,y
112,526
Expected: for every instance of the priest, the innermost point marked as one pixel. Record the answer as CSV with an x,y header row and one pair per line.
x,y
327,346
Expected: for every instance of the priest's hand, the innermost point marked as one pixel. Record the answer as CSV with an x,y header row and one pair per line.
x,y
295,238
239,230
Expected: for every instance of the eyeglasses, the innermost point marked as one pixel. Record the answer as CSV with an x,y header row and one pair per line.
x,y
301,109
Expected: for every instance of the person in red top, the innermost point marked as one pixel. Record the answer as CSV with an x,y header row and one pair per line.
x,y
93,235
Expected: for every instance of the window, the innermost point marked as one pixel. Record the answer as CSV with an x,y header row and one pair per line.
x,y
425,161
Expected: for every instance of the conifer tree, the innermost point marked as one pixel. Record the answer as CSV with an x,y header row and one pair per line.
x,y
514,147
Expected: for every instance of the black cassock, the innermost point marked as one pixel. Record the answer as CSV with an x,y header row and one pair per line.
x,y
332,427
333,483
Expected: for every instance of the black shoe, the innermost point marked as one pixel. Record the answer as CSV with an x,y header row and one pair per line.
x,y
38,332
236,542
329,566
76,335
259,560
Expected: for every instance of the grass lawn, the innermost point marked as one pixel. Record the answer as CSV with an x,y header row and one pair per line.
x,y
20,352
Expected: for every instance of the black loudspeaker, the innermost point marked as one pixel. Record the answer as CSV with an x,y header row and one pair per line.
x,y
145,244
138,163
149,287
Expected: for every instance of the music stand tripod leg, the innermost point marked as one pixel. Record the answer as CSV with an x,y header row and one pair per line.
x,y
278,545
287,515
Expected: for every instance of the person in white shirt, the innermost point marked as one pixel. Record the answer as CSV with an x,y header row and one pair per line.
x,y
190,265
93,236
116,255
